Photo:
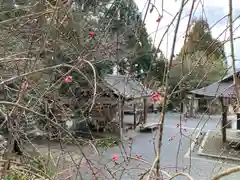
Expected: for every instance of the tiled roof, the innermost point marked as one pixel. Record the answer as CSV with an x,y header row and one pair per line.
x,y
217,89
127,86
222,88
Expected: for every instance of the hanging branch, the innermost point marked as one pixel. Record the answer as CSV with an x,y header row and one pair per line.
x,y
145,15
183,56
228,171
161,121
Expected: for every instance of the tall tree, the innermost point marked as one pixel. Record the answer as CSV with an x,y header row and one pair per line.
x,y
203,53
200,39
139,48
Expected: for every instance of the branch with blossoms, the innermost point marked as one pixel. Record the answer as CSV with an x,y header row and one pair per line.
x,y
50,51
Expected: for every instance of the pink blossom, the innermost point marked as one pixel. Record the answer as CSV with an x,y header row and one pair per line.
x,y
67,79
156,97
159,19
91,33
138,156
171,138
115,157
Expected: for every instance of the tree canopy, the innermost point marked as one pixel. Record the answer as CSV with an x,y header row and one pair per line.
x,y
202,55
200,38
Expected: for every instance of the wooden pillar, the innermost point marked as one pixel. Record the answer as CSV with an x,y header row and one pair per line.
x,y
224,120
224,124
191,113
238,120
134,116
120,116
145,110
238,117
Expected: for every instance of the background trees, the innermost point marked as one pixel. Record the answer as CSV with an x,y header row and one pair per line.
x,y
202,55
139,57
40,34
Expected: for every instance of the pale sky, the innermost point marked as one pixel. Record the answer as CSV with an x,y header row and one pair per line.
x,y
213,10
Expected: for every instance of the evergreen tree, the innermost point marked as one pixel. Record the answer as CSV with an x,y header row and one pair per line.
x,y
139,52
200,39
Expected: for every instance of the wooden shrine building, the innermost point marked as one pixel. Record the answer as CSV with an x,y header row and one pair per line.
x,y
113,91
224,92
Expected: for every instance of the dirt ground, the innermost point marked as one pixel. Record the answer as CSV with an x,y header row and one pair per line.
x,y
214,146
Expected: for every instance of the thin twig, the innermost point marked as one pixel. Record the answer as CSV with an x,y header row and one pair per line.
x,y
161,121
